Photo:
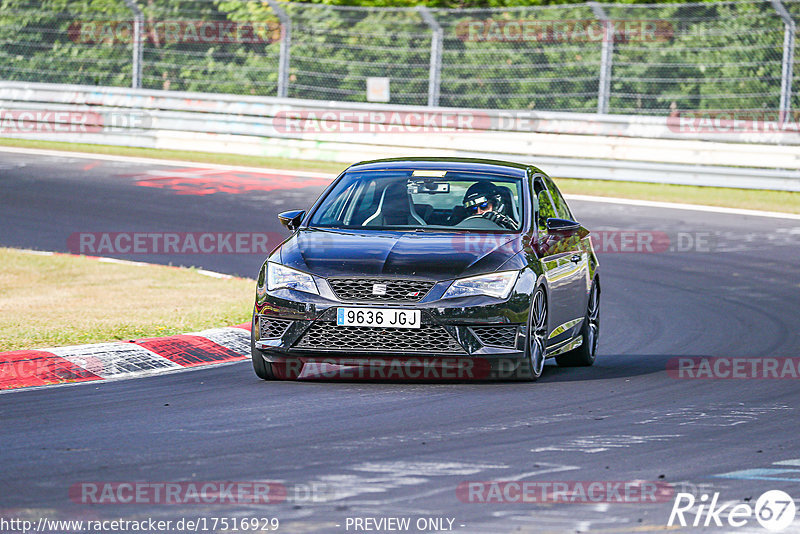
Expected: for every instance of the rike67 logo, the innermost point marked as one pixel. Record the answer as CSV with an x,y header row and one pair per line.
x,y
774,510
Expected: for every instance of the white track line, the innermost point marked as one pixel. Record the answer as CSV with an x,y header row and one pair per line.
x,y
103,259
586,198
164,162
121,262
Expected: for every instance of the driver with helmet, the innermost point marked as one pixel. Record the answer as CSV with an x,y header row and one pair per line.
x,y
484,199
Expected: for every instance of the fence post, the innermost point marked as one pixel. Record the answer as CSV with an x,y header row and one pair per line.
x,y
787,62
138,23
606,58
437,38
286,43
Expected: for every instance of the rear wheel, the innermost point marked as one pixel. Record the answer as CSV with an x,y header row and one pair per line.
x,y
533,365
262,368
584,355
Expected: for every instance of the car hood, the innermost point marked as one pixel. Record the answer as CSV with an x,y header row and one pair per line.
x,y
428,255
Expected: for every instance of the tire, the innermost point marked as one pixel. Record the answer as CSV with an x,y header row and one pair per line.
x,y
262,368
585,355
535,348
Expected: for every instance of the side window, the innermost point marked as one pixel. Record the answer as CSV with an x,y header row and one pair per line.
x,y
546,207
334,212
560,204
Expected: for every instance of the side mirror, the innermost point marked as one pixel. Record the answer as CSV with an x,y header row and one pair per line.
x,y
291,219
561,225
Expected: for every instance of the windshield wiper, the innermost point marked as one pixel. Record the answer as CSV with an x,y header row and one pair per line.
x,y
430,229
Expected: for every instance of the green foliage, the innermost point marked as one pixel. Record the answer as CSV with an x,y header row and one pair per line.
x,y
707,55
37,42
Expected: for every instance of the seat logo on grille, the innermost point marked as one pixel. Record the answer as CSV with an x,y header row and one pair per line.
x,y
378,289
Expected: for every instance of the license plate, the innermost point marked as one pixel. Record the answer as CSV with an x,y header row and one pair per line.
x,y
378,318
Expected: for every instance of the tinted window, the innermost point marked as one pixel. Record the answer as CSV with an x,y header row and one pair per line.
x,y
333,211
562,209
546,208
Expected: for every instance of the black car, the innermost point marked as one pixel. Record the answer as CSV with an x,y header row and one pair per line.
x,y
429,268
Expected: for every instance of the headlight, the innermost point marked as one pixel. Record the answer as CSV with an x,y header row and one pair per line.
x,y
494,285
280,277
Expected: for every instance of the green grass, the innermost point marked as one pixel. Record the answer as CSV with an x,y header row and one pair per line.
x,y
753,199
756,199
49,301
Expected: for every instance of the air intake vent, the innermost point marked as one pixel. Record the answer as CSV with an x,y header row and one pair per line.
x,y
497,336
379,289
429,338
271,327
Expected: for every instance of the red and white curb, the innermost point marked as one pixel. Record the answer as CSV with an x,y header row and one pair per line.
x,y
128,359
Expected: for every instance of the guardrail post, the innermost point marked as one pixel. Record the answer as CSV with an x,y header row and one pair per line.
x,y
606,58
286,43
435,72
787,61
138,24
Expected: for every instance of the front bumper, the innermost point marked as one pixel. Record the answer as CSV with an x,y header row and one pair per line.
x,y
480,336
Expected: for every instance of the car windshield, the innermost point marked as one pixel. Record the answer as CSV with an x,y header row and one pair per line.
x,y
422,199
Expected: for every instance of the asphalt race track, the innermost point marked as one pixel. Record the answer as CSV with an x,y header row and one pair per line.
x,y
376,450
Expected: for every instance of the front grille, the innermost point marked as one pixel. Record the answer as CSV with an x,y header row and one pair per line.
x,y
362,289
271,327
427,338
497,336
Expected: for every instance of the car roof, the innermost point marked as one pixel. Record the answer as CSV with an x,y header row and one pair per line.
x,y
490,166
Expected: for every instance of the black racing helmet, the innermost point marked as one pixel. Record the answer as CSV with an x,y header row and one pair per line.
x,y
480,194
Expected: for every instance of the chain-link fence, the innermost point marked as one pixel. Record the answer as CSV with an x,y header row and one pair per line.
x,y
616,58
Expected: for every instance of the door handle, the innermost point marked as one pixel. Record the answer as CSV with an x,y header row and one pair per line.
x,y
576,258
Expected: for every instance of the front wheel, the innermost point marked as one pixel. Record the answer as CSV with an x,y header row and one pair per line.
x,y
584,355
531,369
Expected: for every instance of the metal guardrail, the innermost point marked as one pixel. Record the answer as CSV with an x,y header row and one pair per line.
x,y
570,145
